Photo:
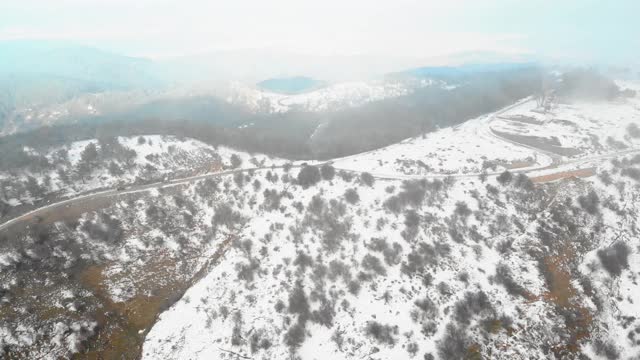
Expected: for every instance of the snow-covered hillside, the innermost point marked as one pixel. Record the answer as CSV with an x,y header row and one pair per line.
x,y
332,97
427,249
520,138
451,269
95,164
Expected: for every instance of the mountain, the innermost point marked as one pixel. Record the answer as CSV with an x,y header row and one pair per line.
x,y
458,73
40,74
511,235
76,62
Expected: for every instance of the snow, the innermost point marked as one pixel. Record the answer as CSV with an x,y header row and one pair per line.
x,y
332,97
462,149
190,330
168,156
196,326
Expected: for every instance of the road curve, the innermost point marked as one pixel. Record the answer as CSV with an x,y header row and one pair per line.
x,y
485,131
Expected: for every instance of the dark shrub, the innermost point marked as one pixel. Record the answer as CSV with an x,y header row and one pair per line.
x,y
411,218
454,345
633,130
504,277
522,181
372,263
225,215
632,173
505,178
324,315
279,306
590,203
383,334
412,349
428,307
235,161
298,303
339,269
606,349
472,304
303,261
367,179
462,209
246,271
236,334
328,172
238,178
351,196
615,258
308,176
354,287
295,336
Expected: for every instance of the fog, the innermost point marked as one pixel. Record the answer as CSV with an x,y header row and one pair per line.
x,y
293,179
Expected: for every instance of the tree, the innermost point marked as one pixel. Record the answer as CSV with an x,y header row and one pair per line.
x,y
235,161
615,258
351,195
328,172
33,187
62,175
367,179
114,169
590,203
633,130
308,176
505,178
89,155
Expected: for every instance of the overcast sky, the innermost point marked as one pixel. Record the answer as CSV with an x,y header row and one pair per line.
x,y
584,30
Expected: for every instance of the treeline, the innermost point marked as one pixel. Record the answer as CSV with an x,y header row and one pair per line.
x,y
288,135
589,84
389,121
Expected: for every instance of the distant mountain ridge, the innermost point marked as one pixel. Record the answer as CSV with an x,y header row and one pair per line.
x,y
459,71
76,62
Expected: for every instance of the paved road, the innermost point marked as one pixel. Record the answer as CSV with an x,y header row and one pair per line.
x,y
556,163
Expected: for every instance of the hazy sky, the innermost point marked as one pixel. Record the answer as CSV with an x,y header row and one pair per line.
x,y
586,30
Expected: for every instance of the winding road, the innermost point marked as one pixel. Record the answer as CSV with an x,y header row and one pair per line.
x,y
92,200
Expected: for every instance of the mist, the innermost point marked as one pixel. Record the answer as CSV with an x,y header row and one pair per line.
x,y
319,179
